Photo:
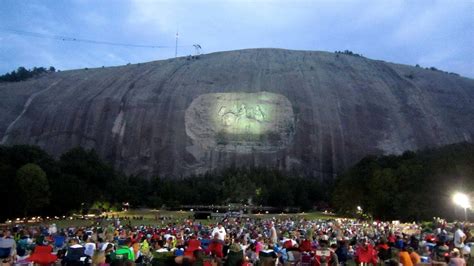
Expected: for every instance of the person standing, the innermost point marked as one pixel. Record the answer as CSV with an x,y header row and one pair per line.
x,y
220,230
273,233
459,237
89,247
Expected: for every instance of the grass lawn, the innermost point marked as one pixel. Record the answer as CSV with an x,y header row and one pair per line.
x,y
149,217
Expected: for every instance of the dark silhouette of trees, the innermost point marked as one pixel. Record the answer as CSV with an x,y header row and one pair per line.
x,y
33,187
412,186
23,74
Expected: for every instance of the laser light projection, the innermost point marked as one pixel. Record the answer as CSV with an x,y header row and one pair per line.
x,y
241,122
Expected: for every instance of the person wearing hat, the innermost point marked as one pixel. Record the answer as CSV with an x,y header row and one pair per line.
x,y
456,259
235,255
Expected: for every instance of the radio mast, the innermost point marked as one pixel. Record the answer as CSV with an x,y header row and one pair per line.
x,y
176,47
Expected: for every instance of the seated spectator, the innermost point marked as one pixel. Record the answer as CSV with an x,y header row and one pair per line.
x,y
384,251
108,253
305,246
159,246
324,255
440,252
415,258
456,259
405,258
124,253
99,258
7,247
75,253
193,244
366,253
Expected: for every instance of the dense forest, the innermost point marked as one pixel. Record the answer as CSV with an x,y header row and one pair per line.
x,y
411,186
33,182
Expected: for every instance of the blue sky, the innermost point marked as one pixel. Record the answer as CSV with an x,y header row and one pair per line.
x,y
425,32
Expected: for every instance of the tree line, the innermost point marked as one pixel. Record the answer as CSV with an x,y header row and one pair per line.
x,y
411,186
35,183
23,74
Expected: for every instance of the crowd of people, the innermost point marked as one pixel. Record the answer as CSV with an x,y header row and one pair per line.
x,y
239,241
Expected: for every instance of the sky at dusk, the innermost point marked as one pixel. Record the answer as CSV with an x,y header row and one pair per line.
x,y
428,33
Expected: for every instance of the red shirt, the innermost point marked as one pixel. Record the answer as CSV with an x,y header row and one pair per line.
x,y
366,254
215,248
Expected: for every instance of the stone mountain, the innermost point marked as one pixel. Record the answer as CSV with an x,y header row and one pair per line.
x,y
316,113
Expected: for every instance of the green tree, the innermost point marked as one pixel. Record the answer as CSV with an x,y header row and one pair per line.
x,y
34,187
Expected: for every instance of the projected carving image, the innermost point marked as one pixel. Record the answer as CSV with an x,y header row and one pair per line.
x,y
242,122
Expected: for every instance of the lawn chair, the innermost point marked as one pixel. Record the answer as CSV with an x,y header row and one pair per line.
x,y
294,258
5,255
43,255
306,259
75,256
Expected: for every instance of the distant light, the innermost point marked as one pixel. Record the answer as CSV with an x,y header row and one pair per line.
x,y
462,200
359,208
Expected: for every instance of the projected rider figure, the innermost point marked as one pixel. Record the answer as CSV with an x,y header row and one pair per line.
x,y
240,119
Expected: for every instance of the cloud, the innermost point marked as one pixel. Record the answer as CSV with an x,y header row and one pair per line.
x,y
430,31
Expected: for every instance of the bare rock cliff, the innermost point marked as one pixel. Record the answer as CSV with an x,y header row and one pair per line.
x,y
314,112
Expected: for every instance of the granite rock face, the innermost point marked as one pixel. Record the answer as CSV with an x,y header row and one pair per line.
x,y
317,113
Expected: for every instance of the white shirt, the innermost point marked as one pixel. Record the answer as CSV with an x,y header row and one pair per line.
x,y
220,231
458,235
89,249
104,246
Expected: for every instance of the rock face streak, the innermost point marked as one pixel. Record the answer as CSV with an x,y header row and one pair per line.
x,y
314,112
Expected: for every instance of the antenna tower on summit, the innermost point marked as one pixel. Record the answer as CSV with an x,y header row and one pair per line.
x,y
176,47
